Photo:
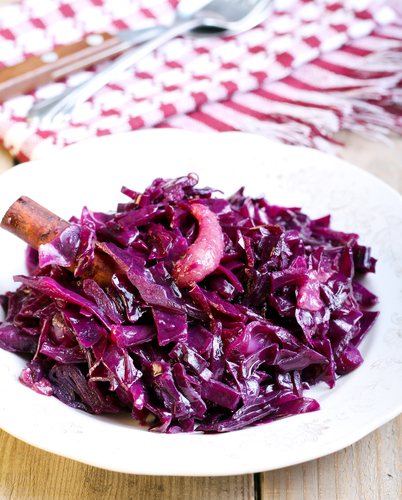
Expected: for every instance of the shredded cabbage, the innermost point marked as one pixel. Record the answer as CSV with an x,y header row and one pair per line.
x,y
223,312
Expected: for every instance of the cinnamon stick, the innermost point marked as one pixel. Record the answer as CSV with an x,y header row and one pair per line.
x,y
36,225
32,223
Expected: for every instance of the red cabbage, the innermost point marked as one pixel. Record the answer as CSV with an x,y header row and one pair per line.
x,y
224,312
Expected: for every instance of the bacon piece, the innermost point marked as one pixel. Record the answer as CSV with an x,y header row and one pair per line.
x,y
204,255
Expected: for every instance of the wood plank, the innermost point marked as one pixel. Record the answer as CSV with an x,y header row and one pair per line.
x,y
28,473
380,159
388,460
368,470
310,480
326,477
6,160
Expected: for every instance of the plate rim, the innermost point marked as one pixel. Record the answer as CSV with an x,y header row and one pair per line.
x,y
74,150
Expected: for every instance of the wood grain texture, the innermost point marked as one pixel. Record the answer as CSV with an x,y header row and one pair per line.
x,y
34,72
6,160
368,470
27,473
384,160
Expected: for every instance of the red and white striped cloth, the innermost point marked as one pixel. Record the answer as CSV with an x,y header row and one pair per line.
x,y
312,68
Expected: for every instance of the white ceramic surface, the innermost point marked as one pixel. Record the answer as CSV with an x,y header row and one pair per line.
x,y
92,173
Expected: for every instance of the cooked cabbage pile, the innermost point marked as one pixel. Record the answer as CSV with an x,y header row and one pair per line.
x,y
221,314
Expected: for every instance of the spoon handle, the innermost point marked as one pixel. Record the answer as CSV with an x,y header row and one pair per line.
x,y
61,107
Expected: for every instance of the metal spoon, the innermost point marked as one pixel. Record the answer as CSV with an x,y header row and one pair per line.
x,y
133,37
224,17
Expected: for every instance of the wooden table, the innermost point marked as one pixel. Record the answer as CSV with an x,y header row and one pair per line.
x,y
368,470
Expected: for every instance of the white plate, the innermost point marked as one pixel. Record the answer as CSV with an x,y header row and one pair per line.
x,y
92,173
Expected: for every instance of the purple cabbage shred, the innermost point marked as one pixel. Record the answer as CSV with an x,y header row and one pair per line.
x,y
282,311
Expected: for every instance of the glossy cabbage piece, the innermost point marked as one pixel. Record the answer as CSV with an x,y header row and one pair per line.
x,y
223,314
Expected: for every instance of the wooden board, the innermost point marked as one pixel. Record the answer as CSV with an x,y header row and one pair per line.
x,y
6,160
